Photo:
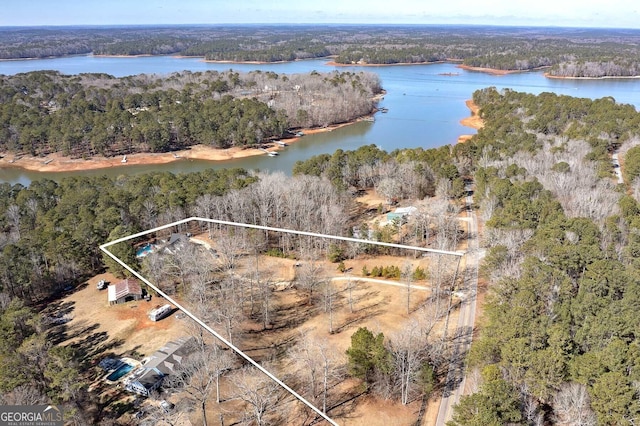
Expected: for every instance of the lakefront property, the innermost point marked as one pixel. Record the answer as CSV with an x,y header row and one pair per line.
x,y
533,220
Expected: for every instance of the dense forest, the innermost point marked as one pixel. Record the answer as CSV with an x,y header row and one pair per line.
x,y
88,114
566,52
559,339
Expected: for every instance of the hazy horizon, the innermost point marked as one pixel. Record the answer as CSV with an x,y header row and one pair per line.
x,y
543,13
310,24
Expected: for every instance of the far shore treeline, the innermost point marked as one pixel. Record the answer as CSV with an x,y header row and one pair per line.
x,y
565,52
42,112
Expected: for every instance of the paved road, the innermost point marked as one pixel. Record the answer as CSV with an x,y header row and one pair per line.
x,y
455,381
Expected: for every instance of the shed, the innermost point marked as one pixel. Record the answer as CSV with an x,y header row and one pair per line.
x,y
124,291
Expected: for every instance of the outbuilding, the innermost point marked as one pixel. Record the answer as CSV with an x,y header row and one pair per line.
x,y
124,291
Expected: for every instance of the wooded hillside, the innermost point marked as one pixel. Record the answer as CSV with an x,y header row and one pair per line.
x,y
559,340
88,114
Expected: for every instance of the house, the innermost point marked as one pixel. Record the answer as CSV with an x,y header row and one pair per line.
x,y
164,362
124,291
175,243
401,213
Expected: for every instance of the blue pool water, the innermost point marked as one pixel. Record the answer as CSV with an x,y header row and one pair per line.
x,y
143,251
121,371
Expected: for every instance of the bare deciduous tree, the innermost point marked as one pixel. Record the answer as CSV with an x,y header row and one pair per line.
x,y
227,305
309,276
407,277
259,392
389,188
196,377
409,351
572,406
156,414
23,395
230,248
222,360
319,365
329,301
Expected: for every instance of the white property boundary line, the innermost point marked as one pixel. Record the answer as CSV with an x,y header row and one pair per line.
x,y
104,247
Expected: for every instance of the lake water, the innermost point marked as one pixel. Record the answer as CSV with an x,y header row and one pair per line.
x,y
425,103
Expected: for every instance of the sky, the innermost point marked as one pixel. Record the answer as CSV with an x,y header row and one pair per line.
x,y
572,13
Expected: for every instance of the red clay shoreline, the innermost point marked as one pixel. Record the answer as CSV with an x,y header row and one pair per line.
x,y
57,162
474,121
337,64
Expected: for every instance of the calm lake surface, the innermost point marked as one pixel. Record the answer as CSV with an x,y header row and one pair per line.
x,y
425,103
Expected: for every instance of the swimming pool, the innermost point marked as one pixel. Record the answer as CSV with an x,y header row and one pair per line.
x,y
145,250
121,371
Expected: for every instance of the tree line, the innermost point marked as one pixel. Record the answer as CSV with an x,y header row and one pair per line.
x,y
566,52
90,114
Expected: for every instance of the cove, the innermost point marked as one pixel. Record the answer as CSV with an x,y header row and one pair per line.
x,y
425,104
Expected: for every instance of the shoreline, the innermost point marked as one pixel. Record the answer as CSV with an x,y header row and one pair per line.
x,y
141,55
59,163
491,71
336,64
604,77
474,121
222,61
497,72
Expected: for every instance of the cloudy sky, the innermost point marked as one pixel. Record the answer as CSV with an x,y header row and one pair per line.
x,y
580,13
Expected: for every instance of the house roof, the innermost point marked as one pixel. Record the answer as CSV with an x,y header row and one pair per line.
x,y
124,288
149,378
177,238
406,210
169,358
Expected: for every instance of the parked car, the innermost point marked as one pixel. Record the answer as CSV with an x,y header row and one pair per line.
x,y
102,284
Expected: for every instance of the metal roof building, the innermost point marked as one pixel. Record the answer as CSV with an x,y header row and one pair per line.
x,y
124,291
